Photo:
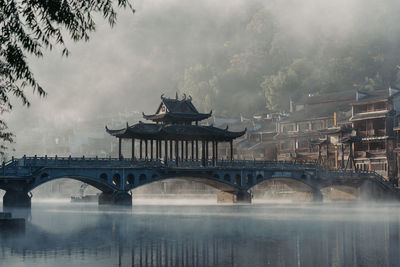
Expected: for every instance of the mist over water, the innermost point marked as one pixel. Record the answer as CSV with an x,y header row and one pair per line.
x,y
274,234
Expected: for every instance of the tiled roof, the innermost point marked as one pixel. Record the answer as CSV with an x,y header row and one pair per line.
x,y
175,132
177,110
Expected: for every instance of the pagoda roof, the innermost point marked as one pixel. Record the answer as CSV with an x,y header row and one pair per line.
x,y
177,110
181,116
175,132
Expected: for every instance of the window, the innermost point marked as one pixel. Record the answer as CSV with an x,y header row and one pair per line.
x,y
287,144
316,125
360,108
303,143
287,128
380,106
303,126
377,146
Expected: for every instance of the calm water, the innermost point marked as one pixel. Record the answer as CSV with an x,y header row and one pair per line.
x,y
346,234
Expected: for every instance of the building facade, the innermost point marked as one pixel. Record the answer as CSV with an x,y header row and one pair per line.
x,y
374,117
348,130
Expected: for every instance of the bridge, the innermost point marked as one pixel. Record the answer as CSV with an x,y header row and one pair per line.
x,y
117,177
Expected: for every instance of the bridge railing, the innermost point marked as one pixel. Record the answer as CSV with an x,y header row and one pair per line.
x,y
346,174
25,165
68,161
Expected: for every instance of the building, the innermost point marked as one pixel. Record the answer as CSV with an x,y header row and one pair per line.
x,y
259,143
175,134
374,116
314,129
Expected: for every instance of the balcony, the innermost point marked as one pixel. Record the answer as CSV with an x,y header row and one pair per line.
x,y
373,132
369,153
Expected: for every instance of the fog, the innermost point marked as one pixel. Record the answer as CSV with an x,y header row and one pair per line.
x,y
193,47
206,235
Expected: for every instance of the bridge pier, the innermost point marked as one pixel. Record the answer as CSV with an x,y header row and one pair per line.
x,y
115,198
16,199
317,195
234,197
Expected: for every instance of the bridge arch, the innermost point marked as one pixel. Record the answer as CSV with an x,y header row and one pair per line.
x,y
99,184
216,180
284,187
303,178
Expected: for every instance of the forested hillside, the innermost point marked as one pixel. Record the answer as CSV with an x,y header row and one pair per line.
x,y
290,49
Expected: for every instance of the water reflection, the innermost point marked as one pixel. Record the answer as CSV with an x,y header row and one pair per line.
x,y
259,235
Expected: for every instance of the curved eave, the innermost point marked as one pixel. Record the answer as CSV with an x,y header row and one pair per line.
x,y
123,133
175,132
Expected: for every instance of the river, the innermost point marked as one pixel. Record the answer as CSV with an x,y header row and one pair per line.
x,y
191,233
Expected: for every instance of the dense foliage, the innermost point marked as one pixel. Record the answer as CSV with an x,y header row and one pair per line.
x,y
29,27
290,49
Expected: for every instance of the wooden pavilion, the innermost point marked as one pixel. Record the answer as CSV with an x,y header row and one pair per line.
x,y
175,134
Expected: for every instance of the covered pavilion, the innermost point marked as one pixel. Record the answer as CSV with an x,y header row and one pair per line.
x,y
175,134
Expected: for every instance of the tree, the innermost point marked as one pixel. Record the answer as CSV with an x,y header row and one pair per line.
x,y
28,27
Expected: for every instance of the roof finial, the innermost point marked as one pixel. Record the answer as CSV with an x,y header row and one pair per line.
x,y
127,125
162,96
184,96
176,96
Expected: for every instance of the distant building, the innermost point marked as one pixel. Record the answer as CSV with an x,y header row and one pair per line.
x,y
374,115
350,129
314,128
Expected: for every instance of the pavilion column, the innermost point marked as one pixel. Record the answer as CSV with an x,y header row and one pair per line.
x,y
141,149
231,145
171,150
216,152
119,148
197,149
177,151
203,153
192,150
182,151
151,149
146,151
213,152
160,149
157,150
206,152
166,150
186,150
133,148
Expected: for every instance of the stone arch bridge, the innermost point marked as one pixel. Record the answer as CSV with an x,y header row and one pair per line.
x,y
117,177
